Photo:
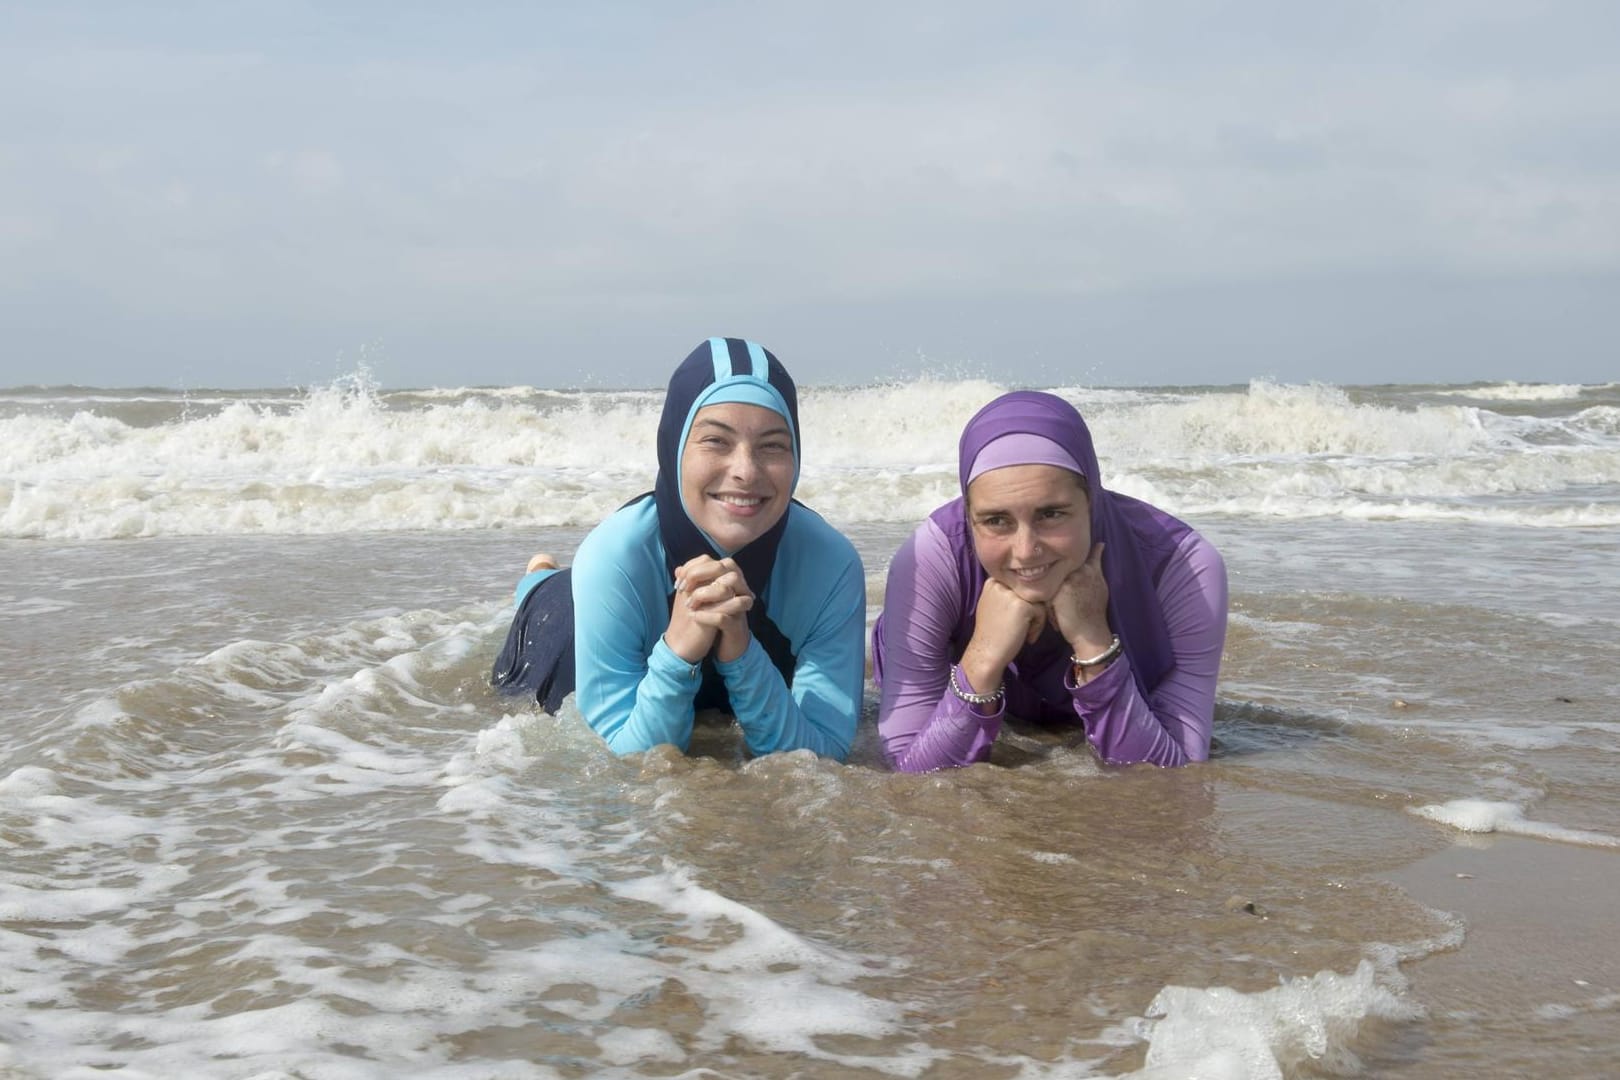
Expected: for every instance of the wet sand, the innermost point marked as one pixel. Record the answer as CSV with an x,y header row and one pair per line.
x,y
1539,970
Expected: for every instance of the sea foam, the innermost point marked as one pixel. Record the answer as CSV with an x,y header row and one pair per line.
x,y
1220,1032
1488,816
349,458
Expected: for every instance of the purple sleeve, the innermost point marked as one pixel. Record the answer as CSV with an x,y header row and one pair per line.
x,y
924,726
1171,727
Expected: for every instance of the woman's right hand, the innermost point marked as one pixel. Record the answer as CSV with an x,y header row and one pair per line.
x,y
1003,624
711,602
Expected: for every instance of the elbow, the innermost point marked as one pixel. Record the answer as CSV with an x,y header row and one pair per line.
x,y
911,754
1177,754
1193,752
908,763
629,739
898,750
622,744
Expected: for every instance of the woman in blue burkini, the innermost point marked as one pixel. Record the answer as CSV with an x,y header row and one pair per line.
x,y
714,590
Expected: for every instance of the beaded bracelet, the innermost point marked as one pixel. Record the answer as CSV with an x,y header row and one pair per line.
x,y
1101,658
977,699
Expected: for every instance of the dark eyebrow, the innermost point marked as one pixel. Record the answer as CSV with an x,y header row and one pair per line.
x,y
987,511
728,429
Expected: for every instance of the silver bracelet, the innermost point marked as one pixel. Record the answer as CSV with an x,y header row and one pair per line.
x,y
976,699
1101,658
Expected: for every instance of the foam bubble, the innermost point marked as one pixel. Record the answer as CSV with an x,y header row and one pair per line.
x,y
31,784
1221,1032
1488,816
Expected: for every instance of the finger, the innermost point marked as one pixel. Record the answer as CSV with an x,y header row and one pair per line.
x,y
706,596
695,572
1095,558
695,562
717,591
742,581
731,580
716,616
681,573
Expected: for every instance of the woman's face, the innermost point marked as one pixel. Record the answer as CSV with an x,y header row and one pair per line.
x,y
1031,527
737,473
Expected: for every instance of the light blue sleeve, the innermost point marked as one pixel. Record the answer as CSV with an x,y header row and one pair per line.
x,y
818,599
632,689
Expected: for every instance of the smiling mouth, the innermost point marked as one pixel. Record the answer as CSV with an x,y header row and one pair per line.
x,y
1032,573
744,503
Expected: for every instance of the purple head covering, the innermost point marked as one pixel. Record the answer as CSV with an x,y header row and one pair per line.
x,y
1018,448
1139,538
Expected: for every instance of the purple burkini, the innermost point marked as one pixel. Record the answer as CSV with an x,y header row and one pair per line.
x,y
1167,601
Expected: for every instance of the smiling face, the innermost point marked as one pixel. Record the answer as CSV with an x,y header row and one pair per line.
x,y
1031,527
737,472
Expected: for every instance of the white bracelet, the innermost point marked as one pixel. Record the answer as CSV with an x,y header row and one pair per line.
x,y
976,699
1101,658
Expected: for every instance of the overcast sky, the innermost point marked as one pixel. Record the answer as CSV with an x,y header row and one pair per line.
x,y
1119,193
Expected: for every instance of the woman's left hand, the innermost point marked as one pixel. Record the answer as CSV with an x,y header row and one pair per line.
x,y
717,596
1080,608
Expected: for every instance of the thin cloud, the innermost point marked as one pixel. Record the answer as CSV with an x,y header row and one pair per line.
x,y
409,174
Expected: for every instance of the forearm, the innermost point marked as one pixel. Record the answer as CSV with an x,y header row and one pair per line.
x,y
774,720
955,734
1126,729
924,725
634,715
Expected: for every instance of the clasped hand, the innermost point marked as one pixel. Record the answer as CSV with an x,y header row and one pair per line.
x,y
710,612
1005,622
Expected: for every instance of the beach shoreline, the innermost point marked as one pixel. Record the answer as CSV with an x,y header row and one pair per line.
x,y
1533,968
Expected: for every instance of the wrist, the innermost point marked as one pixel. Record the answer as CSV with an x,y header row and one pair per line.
x,y
1090,640
981,671
1087,664
672,665
731,646
689,648
987,704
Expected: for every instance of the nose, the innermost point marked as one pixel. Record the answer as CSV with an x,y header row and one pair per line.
x,y
743,464
1026,543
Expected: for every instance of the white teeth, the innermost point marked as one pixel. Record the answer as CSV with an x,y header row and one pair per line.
x,y
735,500
1035,573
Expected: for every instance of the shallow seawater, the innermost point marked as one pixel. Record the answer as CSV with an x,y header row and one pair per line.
x,y
263,816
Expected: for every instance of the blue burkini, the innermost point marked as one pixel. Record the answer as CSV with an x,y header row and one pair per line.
x,y
596,629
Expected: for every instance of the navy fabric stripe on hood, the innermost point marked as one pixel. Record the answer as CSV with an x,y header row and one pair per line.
x,y
719,371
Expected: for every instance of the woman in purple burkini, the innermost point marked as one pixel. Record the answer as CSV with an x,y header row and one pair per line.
x,y
1042,593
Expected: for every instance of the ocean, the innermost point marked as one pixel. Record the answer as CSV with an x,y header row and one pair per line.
x,y
261,815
